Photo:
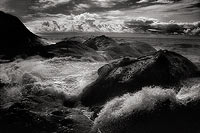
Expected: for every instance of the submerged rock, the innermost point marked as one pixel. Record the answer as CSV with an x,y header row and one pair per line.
x,y
162,68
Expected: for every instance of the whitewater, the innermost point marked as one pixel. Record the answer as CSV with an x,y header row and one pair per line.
x,y
64,75
60,75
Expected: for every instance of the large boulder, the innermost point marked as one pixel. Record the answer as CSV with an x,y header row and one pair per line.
x,y
16,39
162,68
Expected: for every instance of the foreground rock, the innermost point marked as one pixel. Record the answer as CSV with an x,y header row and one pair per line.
x,y
17,40
151,110
162,68
111,49
42,113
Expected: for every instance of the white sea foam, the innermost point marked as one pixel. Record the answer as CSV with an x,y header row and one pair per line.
x,y
146,99
64,75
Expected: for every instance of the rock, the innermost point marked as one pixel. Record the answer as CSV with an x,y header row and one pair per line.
x,y
151,111
16,39
141,47
100,42
162,68
112,50
74,49
39,114
79,39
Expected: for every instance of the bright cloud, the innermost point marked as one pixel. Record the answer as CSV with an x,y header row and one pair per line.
x,y
158,1
107,3
85,22
91,22
171,27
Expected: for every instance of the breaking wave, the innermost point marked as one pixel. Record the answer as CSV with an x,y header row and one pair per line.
x,y
65,77
130,105
62,77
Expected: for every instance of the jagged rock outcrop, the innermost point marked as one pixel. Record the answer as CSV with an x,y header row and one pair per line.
x,y
74,49
100,42
162,68
110,49
16,39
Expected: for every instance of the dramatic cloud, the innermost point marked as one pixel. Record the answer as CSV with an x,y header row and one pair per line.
x,y
88,22
107,15
85,22
107,3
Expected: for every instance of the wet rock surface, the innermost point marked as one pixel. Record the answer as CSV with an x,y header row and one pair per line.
x,y
111,49
73,49
162,68
42,114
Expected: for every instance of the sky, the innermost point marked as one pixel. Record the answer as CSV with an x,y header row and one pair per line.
x,y
44,16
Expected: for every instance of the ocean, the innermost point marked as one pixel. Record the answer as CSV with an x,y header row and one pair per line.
x,y
66,76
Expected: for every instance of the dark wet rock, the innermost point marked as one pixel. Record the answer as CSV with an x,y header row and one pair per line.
x,y
74,49
100,42
141,47
162,68
39,114
17,40
110,49
79,39
167,116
